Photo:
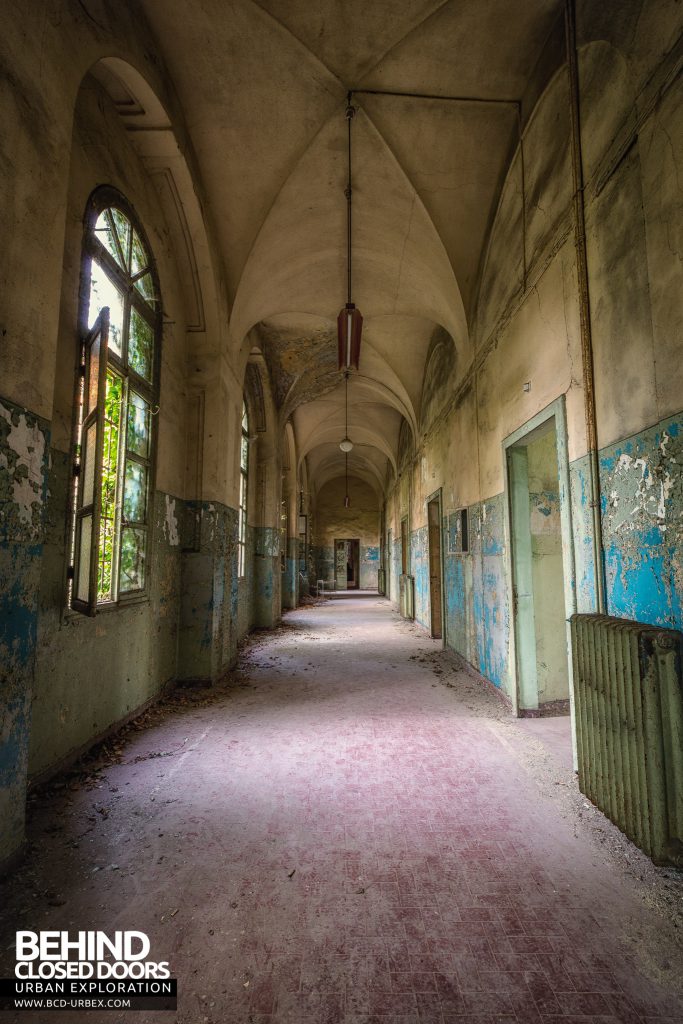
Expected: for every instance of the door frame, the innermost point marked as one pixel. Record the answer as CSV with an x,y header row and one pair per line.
x,y
555,411
337,541
354,543
437,496
355,548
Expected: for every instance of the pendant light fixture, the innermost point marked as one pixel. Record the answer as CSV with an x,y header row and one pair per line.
x,y
349,321
347,444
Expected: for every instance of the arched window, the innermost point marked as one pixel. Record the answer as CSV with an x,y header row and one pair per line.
x,y
116,404
244,482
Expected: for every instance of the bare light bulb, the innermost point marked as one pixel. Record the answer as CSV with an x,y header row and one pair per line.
x,y
346,445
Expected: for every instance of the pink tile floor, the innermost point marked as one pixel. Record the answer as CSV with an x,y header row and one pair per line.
x,y
554,733
342,839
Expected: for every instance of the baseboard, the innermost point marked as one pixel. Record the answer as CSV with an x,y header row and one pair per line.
x,y
551,709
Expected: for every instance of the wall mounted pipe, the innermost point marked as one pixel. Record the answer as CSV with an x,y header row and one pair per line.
x,y
584,302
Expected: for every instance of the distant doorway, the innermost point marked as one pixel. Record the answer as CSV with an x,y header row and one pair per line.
x,y
539,595
435,571
347,563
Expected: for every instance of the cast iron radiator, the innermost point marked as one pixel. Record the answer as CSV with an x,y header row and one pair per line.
x,y
407,596
628,695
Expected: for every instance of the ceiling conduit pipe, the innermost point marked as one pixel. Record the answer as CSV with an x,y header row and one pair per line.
x,y
584,305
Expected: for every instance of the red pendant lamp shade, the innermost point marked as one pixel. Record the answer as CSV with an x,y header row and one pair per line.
x,y
349,327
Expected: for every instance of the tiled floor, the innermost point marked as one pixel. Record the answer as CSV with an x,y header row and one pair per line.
x,y
555,733
344,838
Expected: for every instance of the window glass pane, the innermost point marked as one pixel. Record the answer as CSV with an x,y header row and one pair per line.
x,y
110,457
105,232
82,583
145,286
138,425
105,562
88,468
244,453
122,225
103,292
132,559
135,493
139,259
245,419
140,345
93,363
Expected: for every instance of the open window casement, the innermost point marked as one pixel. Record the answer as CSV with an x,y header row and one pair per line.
x,y
89,469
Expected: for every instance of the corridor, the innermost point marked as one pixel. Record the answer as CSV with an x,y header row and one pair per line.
x,y
350,830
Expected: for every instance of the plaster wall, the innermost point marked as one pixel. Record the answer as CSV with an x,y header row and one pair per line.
x,y
58,143
360,521
529,353
90,673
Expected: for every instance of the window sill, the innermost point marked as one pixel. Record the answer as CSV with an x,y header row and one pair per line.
x,y
106,609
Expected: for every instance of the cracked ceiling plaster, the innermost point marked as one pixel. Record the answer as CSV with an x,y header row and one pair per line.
x,y
263,87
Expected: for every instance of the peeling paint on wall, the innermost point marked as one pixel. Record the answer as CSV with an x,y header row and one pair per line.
x,y
419,569
23,446
171,523
490,591
582,528
642,509
24,440
208,608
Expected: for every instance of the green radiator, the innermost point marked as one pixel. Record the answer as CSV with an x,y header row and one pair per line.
x,y
628,697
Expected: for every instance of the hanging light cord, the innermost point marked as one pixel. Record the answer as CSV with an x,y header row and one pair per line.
x,y
350,112
348,193
346,404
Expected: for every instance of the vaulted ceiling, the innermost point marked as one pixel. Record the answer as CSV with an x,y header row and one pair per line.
x,y
263,87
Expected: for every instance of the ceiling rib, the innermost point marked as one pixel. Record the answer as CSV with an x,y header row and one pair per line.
x,y
397,42
487,100
435,96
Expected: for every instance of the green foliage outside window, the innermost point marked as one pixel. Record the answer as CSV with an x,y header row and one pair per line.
x,y
110,461
119,278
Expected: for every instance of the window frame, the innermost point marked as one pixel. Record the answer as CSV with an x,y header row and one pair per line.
x,y
458,531
243,509
132,382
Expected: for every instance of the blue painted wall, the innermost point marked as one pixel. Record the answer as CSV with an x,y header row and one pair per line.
x,y
419,570
489,589
641,482
476,595
24,447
